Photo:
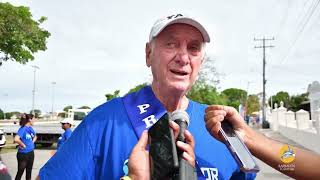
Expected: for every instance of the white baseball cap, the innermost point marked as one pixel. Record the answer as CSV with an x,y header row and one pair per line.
x,y
162,23
67,120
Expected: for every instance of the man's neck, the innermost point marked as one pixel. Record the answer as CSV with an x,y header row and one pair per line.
x,y
171,100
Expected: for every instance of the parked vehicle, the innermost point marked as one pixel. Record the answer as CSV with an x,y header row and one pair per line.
x,y
2,138
49,133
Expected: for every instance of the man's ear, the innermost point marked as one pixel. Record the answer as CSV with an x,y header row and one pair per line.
x,y
148,54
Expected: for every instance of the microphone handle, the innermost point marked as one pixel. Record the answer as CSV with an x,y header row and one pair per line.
x,y
186,171
183,126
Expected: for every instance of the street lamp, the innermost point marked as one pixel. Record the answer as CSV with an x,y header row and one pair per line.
x,y
53,83
34,86
4,113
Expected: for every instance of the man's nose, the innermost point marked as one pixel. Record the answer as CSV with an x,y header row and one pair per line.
x,y
183,56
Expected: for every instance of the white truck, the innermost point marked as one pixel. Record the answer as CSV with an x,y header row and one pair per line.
x,y
49,132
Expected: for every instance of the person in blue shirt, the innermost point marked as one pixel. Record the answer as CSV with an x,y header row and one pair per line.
x,y
66,126
101,145
25,138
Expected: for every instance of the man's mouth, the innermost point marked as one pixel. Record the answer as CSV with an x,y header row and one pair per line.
x,y
179,73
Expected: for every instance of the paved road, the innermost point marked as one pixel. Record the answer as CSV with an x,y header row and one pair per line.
x,y
42,155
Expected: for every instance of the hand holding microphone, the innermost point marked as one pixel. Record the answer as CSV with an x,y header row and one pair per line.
x,y
186,164
139,158
186,146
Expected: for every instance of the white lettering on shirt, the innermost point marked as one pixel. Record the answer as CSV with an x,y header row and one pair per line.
x,y
150,120
210,173
143,108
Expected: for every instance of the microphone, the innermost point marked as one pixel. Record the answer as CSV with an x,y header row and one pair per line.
x,y
186,171
181,117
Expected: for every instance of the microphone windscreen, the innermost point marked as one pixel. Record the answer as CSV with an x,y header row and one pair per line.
x,y
181,115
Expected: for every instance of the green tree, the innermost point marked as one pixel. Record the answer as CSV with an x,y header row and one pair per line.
x,y
114,95
205,94
280,96
252,103
84,107
1,114
20,35
296,100
37,112
137,88
62,114
65,109
10,114
235,97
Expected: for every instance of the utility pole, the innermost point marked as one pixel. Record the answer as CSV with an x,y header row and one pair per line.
x,y
34,87
53,83
264,73
4,113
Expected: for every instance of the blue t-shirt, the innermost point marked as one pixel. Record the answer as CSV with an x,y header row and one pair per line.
x,y
101,145
63,138
26,134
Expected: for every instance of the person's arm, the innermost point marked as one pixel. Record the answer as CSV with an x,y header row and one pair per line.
x,y
260,146
34,139
19,142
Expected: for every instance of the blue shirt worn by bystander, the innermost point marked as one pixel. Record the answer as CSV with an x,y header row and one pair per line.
x,y
26,134
63,138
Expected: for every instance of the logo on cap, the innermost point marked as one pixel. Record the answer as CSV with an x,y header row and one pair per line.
x,y
174,16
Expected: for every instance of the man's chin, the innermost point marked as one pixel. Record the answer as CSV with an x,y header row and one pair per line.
x,y
179,87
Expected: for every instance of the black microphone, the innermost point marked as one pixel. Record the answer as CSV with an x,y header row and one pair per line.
x,y
181,117
186,171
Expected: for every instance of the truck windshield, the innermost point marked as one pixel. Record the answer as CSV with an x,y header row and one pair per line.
x,y
79,116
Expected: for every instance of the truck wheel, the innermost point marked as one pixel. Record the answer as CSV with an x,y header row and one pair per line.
x,y
46,144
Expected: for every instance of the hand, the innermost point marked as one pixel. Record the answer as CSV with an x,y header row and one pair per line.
x,y
215,114
23,146
139,167
187,147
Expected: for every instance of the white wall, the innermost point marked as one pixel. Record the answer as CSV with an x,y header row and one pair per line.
x,y
308,139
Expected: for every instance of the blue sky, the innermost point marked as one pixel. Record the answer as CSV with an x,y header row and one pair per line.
x,y
97,47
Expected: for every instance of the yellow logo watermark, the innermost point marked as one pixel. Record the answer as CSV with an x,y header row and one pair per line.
x,y
287,154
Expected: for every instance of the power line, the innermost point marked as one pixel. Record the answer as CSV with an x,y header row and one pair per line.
x,y
308,17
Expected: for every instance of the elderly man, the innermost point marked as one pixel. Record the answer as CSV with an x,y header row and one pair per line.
x,y
101,145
